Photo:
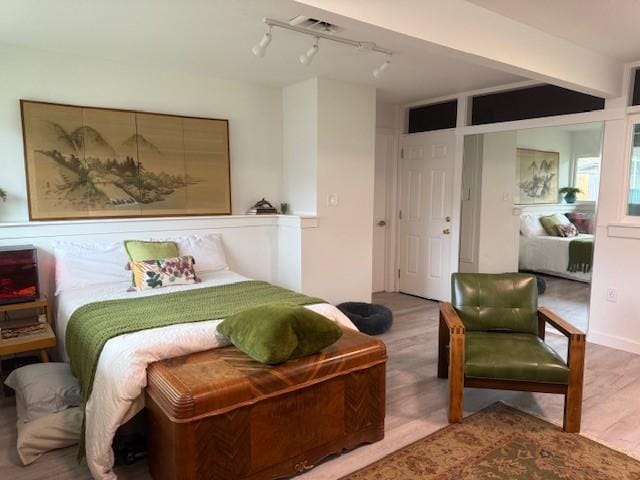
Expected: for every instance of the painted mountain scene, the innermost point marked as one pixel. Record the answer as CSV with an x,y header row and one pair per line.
x,y
538,180
89,162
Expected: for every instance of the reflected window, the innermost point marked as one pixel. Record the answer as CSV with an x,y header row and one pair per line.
x,y
587,178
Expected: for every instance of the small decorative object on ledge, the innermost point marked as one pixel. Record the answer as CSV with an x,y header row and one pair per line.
x,y
263,207
284,208
570,193
18,274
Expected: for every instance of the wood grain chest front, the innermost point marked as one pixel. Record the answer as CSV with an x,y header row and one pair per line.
x,y
220,415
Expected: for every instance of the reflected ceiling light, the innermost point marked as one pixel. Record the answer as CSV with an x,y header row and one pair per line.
x,y
307,57
378,71
261,48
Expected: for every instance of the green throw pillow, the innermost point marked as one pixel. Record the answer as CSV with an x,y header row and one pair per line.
x,y
549,224
276,332
139,250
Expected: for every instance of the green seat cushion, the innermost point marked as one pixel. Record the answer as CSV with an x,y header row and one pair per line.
x,y
550,222
276,332
139,250
512,356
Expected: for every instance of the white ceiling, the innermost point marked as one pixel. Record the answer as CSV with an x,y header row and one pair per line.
x,y
214,38
610,27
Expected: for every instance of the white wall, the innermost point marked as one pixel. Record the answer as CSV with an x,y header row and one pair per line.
x,y
254,113
337,254
499,228
616,261
300,146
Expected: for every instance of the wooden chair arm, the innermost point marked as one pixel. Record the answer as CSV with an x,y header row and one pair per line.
x,y
451,319
560,324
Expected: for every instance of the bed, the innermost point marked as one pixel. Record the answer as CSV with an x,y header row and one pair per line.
x,y
549,255
120,376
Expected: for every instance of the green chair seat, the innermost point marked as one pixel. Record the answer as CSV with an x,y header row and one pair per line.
x,y
512,356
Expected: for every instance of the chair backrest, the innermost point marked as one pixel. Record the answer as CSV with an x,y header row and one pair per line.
x,y
505,302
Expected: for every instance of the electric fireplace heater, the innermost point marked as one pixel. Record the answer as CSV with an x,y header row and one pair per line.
x,y
18,274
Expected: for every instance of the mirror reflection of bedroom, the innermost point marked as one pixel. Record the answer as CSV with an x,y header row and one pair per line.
x,y
528,204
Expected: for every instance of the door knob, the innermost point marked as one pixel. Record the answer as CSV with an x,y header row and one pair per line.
x,y
382,223
446,231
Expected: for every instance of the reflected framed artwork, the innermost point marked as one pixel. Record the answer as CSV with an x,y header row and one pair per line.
x,y
89,162
538,179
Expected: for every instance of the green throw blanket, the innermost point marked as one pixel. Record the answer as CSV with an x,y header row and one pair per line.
x,y
580,255
92,325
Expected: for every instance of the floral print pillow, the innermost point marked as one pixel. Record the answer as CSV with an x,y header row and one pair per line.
x,y
567,230
165,272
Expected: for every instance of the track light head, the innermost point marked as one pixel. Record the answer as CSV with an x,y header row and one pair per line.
x,y
261,48
378,71
306,57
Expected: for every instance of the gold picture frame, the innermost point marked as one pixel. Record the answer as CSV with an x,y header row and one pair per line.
x,y
92,162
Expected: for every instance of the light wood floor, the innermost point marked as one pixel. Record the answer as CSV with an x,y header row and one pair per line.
x,y
416,402
568,298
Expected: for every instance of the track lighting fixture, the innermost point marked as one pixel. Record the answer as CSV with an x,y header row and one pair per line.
x,y
261,48
378,71
307,57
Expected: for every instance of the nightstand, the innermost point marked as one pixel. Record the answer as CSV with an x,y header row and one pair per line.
x,y
40,341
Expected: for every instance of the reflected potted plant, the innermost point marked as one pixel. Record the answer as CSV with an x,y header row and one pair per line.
x,y
3,195
570,193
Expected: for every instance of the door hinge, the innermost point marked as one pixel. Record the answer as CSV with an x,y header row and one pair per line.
x,y
402,152
398,273
400,214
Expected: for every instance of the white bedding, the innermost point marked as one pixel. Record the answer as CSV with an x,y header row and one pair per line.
x,y
546,254
120,378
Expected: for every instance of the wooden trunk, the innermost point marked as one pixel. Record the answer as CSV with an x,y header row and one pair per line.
x,y
221,415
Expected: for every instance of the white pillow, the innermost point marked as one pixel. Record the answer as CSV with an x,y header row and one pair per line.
x,y
44,388
79,265
207,250
530,226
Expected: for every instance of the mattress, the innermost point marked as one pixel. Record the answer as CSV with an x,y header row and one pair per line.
x,y
120,377
550,255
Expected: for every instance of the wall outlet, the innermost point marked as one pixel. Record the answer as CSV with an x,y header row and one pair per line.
x,y
612,295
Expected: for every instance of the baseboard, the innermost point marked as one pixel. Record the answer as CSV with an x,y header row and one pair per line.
x,y
613,341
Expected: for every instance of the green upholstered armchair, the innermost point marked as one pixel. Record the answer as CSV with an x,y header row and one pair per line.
x,y
492,336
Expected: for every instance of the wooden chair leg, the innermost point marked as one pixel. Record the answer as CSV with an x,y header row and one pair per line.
x,y
573,398
456,379
44,356
443,349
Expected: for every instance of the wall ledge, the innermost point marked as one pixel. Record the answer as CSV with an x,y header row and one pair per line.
x,y
623,230
61,228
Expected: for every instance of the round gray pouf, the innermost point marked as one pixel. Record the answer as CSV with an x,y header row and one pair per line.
x,y
370,318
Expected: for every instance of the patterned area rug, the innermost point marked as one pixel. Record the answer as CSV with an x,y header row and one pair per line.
x,y
502,443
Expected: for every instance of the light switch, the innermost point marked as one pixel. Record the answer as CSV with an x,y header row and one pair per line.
x,y
505,197
332,200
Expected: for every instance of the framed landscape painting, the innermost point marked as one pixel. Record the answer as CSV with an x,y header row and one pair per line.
x,y
538,182
86,162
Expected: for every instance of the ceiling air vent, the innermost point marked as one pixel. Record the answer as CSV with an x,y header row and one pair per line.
x,y
314,24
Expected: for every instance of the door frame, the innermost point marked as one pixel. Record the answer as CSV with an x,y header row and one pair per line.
x,y
391,210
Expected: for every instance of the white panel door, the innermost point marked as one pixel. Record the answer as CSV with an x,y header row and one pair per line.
x,y
426,184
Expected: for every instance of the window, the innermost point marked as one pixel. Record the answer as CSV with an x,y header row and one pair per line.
x,y
633,195
437,116
635,98
587,178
